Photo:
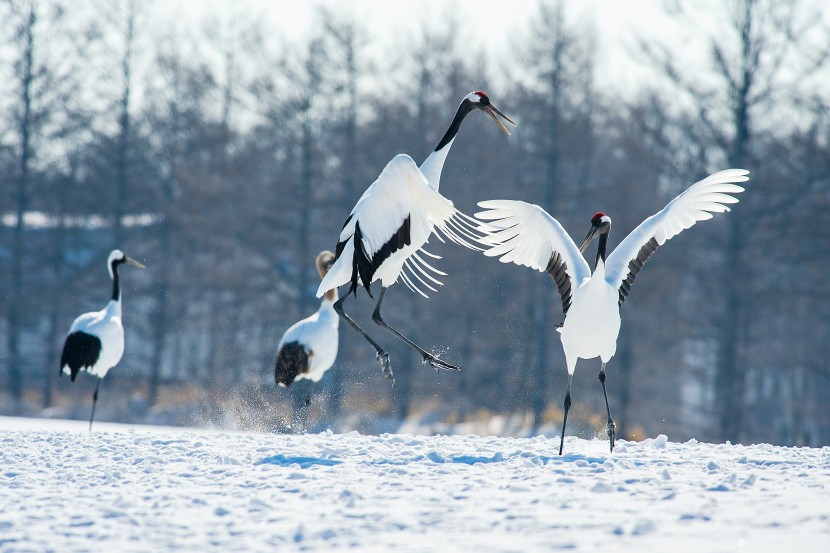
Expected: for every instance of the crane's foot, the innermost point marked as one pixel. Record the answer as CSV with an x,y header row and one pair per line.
x,y
439,364
612,434
385,366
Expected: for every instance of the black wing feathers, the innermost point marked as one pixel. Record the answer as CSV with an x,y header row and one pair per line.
x,y
557,269
80,350
340,245
365,264
635,265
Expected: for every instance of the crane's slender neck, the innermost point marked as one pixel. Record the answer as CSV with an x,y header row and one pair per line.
x,y
116,287
603,243
432,166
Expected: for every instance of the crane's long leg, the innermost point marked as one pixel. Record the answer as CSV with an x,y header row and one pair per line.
x,y
611,426
382,356
94,401
433,361
567,408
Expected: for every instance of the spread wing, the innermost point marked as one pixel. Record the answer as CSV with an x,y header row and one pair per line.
x,y
525,234
398,210
445,222
697,203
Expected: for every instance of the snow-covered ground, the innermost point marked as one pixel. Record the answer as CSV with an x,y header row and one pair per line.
x,y
157,489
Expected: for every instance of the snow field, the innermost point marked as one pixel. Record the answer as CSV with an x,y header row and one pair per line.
x,y
146,489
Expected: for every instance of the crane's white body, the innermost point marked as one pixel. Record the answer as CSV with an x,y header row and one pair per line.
x,y
527,235
399,192
319,336
592,324
106,326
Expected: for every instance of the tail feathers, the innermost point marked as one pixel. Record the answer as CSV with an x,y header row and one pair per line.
x,y
292,360
80,352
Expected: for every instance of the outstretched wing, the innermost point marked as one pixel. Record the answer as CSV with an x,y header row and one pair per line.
x,y
697,203
525,234
398,210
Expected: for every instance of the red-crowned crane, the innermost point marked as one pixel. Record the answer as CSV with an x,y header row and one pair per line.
x,y
391,222
95,342
309,347
527,235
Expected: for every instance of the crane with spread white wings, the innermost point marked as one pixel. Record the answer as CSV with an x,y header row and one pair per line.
x,y
388,227
527,235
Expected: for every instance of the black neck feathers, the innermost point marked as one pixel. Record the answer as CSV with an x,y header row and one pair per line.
x,y
603,243
116,288
463,110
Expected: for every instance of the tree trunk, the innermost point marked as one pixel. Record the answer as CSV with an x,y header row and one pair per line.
x,y
730,380
541,374
122,160
161,326
14,369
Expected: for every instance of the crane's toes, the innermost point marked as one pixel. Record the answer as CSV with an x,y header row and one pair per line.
x,y
612,434
438,364
386,366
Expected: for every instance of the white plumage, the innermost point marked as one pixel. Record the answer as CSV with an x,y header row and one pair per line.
x,y
527,235
95,342
401,192
107,327
309,347
392,221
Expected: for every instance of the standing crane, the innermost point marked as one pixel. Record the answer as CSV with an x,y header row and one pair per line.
x,y
527,235
391,222
95,342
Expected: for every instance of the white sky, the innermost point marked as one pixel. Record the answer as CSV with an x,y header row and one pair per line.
x,y
489,23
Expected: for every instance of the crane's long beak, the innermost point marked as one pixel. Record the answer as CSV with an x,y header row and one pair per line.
x,y
588,237
492,111
134,263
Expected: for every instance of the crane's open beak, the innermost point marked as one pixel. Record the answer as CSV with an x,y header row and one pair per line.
x,y
134,262
492,111
588,237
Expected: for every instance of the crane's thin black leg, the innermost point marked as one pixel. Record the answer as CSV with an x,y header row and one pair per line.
x,y
94,401
567,408
611,426
382,356
433,361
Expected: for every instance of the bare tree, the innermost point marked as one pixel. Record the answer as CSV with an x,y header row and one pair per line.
x,y
757,64
44,89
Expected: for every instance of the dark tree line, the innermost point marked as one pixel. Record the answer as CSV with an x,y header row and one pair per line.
x,y
226,163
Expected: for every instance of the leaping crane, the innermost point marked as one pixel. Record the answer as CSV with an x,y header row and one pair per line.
x,y
390,223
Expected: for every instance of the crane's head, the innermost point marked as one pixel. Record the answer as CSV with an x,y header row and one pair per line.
x,y
480,100
324,261
600,224
117,258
